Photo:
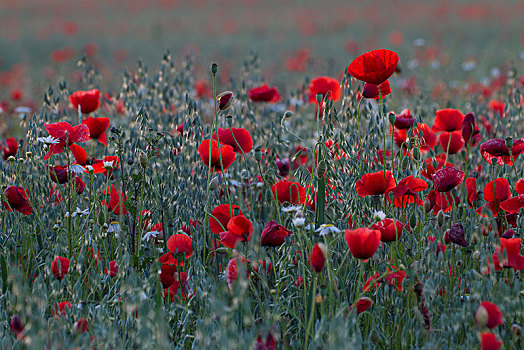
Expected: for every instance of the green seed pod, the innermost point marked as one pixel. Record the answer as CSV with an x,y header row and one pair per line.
x,y
229,120
214,68
509,142
427,205
392,118
258,155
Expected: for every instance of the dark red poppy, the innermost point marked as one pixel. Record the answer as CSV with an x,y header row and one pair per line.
x,y
513,205
178,283
374,67
116,200
390,229
169,275
182,244
362,304
448,120
489,341
58,173
496,148
81,326
97,128
455,234
10,148
510,253
224,100
427,139
447,179
240,137
59,309
220,156
471,190
289,192
269,344
488,315
264,93
470,130
113,269
373,184
17,200
371,91
404,120
323,86
60,267
16,326
362,242
406,192
79,185
500,187
318,257
66,135
223,214
273,235
440,162
451,142
283,166
239,229
89,101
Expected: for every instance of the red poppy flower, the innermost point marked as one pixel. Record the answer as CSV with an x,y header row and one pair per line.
x,y
442,201
488,315
16,326
448,120
510,252
440,162
404,120
17,200
269,344
116,200
318,257
471,190
497,107
224,100
223,153
373,280
289,192
97,128
451,142
89,101
371,90
170,276
373,184
455,234
66,135
79,185
179,280
489,341
180,243
203,89
233,268
59,309
427,138
406,192
60,267
470,130
223,214
10,148
362,242
390,229
447,179
374,67
513,205
362,304
113,269
79,154
81,326
264,93
239,229
283,166
501,187
323,86
519,187
242,137
496,148
395,277
273,235
100,166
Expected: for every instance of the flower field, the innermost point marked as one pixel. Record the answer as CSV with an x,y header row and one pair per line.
x,y
339,195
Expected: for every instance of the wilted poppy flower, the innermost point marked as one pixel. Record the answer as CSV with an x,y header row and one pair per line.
x,y
371,90
513,205
79,185
240,137
318,257
489,341
510,252
455,234
116,200
362,304
113,269
224,100
223,213
374,67
471,190
97,128
448,120
406,192
404,120
182,244
447,179
496,148
488,315
59,309
223,154
373,184
273,235
264,93
390,229
17,200
239,229
451,142
66,134
89,101
10,148
362,242
58,173
60,267
289,192
324,86
500,187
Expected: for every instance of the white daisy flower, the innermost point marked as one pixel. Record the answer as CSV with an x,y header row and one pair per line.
x,y
326,229
379,215
77,168
22,110
48,140
108,164
147,236
80,212
291,208
299,222
114,227
89,168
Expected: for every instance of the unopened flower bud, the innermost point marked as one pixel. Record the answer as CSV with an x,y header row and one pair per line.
x,y
213,185
321,168
224,100
258,155
427,205
416,154
130,161
482,316
214,68
441,217
142,159
28,154
392,118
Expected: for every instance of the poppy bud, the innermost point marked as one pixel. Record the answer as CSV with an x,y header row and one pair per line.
x,y
224,100
427,205
214,68
404,164
392,118
213,185
130,161
416,154
318,257
440,218
258,155
142,159
319,98
413,221
16,324
321,169
288,114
